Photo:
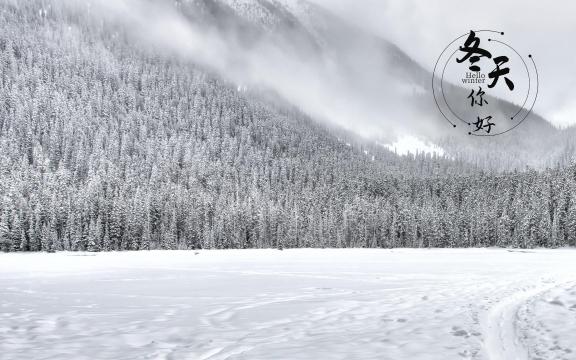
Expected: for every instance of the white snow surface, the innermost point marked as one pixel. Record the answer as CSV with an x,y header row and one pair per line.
x,y
408,144
293,304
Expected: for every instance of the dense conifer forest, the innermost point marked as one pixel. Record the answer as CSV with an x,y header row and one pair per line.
x,y
105,145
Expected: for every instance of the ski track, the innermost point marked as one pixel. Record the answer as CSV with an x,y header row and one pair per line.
x,y
446,304
503,338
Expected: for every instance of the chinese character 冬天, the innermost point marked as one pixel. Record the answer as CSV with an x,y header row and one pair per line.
x,y
473,51
497,72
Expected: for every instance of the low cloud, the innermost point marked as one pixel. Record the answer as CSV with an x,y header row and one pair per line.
x,y
357,92
423,27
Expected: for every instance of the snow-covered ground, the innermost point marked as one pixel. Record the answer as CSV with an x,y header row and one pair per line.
x,y
293,304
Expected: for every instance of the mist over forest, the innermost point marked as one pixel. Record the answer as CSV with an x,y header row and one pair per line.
x,y
219,124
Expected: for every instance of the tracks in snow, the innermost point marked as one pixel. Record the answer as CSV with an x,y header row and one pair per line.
x,y
500,325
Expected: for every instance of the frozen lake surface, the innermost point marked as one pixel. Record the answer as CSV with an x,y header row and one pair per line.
x,y
294,304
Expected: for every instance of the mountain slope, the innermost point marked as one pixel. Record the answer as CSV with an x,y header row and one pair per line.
x,y
108,144
385,91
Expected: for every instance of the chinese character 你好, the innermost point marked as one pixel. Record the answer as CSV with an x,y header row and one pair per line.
x,y
478,98
484,124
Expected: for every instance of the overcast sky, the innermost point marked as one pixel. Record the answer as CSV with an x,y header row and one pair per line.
x,y
546,29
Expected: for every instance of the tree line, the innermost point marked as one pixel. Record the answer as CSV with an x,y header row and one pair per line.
x,y
104,146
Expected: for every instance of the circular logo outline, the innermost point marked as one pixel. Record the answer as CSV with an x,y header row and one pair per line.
x,y
440,86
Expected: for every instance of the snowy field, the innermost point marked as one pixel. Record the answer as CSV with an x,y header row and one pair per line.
x,y
293,304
